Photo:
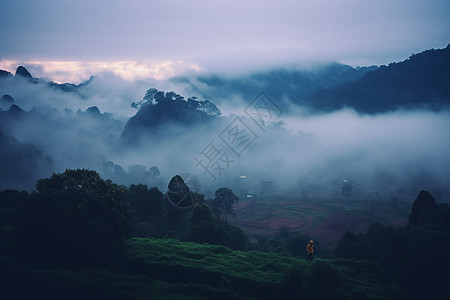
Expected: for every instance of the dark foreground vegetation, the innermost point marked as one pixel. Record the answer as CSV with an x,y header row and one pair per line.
x,y
81,237
416,256
170,269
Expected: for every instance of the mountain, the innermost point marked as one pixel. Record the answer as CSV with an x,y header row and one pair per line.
x,y
6,101
159,109
34,144
277,83
71,87
21,164
21,71
422,81
5,74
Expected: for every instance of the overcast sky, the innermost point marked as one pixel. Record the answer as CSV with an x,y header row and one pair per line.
x,y
63,39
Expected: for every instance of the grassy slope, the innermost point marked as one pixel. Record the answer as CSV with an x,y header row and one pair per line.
x,y
170,269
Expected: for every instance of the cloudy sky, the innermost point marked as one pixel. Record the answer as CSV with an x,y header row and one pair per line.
x,y
67,40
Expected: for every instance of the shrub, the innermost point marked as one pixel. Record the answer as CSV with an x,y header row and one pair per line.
x,y
292,282
323,279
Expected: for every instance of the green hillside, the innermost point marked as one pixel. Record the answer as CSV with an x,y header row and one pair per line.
x,y
170,269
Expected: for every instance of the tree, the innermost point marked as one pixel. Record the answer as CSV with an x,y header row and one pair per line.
x,y
148,210
202,227
231,236
157,109
424,210
179,206
179,193
346,245
416,256
74,217
223,203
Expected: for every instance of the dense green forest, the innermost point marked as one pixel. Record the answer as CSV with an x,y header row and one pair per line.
x,y
79,236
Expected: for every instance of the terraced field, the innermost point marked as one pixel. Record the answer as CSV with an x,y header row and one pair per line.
x,y
323,219
266,217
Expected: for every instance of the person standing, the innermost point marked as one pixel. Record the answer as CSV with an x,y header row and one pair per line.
x,y
310,251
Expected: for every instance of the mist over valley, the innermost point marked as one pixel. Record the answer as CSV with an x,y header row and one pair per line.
x,y
225,149
122,129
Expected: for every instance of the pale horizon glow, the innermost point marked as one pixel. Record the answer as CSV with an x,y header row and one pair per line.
x,y
161,38
79,71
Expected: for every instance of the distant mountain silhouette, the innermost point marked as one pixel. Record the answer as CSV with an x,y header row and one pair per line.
x,y
6,101
21,164
422,81
21,71
4,73
104,122
278,83
71,87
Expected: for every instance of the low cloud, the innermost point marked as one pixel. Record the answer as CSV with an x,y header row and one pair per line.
x,y
393,154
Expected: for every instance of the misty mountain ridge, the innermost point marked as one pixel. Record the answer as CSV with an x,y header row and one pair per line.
x,y
279,83
23,73
89,138
6,101
421,82
34,143
165,130
21,163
